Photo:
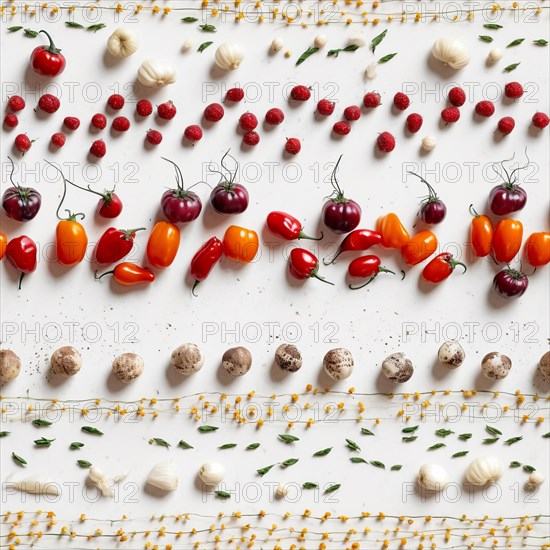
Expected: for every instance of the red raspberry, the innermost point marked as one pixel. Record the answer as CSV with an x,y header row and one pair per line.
x,y
193,133
325,107
166,111
293,146
154,137
251,138
98,148
234,94
352,112
371,100
71,122
116,102
450,114
385,142
11,120
213,112
99,121
506,125
401,101
16,103
144,107
274,116
248,121
513,90
485,108
457,96
540,120
58,139
121,124
341,128
23,143
49,103
300,93
414,123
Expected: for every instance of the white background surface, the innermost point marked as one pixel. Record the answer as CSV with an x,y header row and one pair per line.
x,y
372,323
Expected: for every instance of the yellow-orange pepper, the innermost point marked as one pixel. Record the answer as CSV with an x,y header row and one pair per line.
x,y
163,244
420,247
3,244
507,239
240,244
394,235
537,249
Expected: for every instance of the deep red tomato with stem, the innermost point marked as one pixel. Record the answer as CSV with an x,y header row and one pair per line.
x,y
20,203
432,208
114,244
287,227
21,254
129,274
204,260
304,265
229,197
366,267
509,196
109,205
180,205
441,267
358,239
48,60
510,283
340,214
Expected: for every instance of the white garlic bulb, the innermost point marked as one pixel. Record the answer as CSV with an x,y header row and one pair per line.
x,y
164,476
494,55
357,40
122,43
433,477
153,73
483,470
451,52
35,485
101,481
281,491
229,56
535,480
371,71
429,143
320,40
277,44
212,473
187,45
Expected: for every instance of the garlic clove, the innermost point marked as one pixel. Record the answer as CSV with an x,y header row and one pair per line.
x,y
484,470
35,485
281,491
320,40
164,476
277,44
154,73
122,43
451,52
357,40
494,55
187,45
535,480
429,143
229,56
212,473
433,477
371,72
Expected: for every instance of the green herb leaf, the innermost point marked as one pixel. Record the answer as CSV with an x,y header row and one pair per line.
x,y
513,440
465,437
410,429
539,42
515,42
490,441
204,45
90,430
189,20
184,445
222,494
436,446
262,471
4,434
14,29
207,28
493,26
546,435
30,33
323,452
18,459
377,39
396,467
74,25
96,27
206,428
76,445
84,463
252,446
43,442
364,431
350,48
378,464
386,58
443,433
460,453
287,438
409,439
493,431
40,422
352,445
306,54
160,442
289,462
332,488
485,38
227,446
309,485
357,460
515,464
528,468
511,67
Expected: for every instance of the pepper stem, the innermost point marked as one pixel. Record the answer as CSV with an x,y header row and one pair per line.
x,y
103,274
333,258
322,279
128,232
454,263
473,211
71,216
104,196
20,280
11,174
431,191
363,285
195,284
52,47
302,235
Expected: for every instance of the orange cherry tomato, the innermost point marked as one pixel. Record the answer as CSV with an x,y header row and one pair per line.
x,y
537,249
163,244
420,247
481,234
3,244
507,239
71,241
240,244
129,274
394,235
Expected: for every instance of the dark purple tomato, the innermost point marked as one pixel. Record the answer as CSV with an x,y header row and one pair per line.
x,y
21,203
181,206
341,215
433,211
510,283
229,198
507,198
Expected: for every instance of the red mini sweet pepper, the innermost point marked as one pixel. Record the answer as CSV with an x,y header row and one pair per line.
x,y
114,244
359,239
204,260
21,254
441,267
366,266
304,265
287,227
129,274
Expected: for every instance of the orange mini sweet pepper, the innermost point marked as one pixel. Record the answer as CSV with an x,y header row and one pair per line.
x,y
394,235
